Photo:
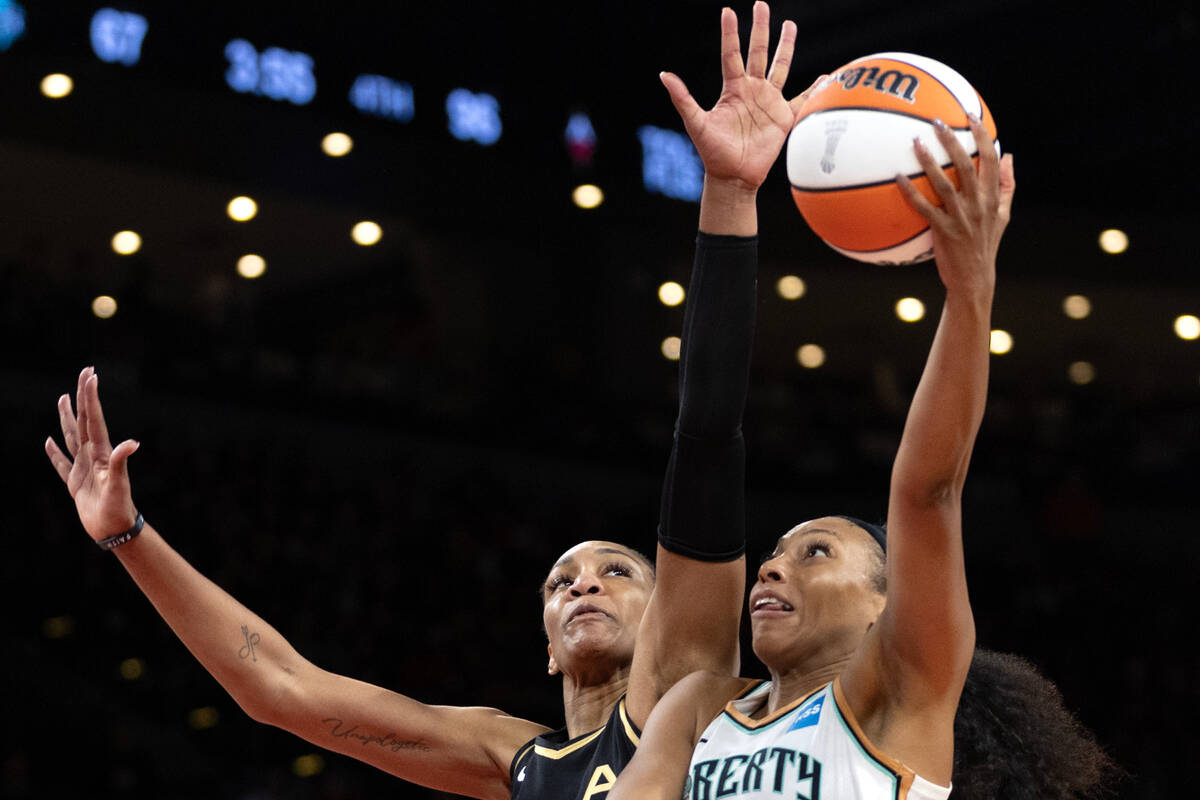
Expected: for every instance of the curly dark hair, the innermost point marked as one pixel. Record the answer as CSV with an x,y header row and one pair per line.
x,y
1015,739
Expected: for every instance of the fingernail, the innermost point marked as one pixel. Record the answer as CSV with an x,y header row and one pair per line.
x,y
917,143
937,123
974,120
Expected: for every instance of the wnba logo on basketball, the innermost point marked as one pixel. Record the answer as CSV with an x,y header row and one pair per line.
x,y
889,82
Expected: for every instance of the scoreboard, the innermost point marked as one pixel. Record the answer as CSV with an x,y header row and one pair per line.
x,y
274,70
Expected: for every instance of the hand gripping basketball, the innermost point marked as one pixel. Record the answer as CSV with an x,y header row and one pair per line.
x,y
972,218
96,473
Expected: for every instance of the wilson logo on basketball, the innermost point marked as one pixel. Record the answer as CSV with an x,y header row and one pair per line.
x,y
893,81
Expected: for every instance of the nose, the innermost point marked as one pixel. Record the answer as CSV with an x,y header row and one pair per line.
x,y
587,582
769,571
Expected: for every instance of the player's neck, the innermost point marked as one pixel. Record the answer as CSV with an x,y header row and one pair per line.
x,y
789,685
588,704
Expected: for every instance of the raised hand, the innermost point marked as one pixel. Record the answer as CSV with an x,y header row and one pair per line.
x,y
741,136
96,473
968,225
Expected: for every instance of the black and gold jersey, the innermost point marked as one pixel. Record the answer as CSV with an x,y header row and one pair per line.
x,y
553,767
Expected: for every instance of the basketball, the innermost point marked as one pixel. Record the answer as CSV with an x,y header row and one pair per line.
x,y
856,133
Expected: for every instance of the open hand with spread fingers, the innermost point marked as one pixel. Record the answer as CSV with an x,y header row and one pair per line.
x,y
742,135
968,225
95,473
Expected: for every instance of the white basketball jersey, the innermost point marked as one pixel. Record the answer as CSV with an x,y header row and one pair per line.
x,y
809,750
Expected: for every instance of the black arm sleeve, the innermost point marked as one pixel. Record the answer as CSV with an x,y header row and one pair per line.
x,y
703,513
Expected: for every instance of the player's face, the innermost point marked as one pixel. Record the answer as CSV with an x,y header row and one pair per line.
x,y
813,601
594,600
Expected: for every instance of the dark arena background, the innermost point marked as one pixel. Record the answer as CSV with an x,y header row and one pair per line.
x,y
382,448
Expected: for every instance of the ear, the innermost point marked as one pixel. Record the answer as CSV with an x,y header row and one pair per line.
x,y
552,667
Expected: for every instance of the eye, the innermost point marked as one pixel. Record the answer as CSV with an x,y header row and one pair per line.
x,y
817,548
558,582
617,568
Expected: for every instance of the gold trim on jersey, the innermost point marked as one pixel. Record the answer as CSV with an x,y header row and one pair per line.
x,y
751,724
629,731
549,752
567,749
520,755
905,774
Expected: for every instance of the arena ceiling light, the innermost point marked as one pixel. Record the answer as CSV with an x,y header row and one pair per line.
x,y
790,287
1081,373
1187,327
1077,306
910,309
670,294
366,233
810,356
1114,241
126,243
337,144
1001,342
587,196
241,208
200,719
251,266
104,306
56,85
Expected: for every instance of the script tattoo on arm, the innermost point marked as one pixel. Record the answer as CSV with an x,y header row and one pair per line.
x,y
247,650
339,730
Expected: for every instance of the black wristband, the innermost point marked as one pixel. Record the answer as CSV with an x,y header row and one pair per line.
x,y
122,538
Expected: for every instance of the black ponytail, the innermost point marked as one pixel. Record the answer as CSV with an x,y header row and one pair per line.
x,y
1015,739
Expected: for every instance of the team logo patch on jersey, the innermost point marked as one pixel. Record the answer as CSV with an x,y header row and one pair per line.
x,y
809,715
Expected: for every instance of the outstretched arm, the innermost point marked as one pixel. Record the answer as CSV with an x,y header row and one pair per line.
x,y
692,619
928,625
461,750
917,656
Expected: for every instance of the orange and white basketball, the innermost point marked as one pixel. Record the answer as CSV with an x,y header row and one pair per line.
x,y
856,133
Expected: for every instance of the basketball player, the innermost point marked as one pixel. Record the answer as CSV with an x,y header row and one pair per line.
x,y
867,654
617,637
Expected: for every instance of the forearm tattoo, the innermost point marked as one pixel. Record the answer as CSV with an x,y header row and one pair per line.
x,y
247,650
389,741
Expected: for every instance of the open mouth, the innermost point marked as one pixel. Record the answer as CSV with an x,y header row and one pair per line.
x,y
769,603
